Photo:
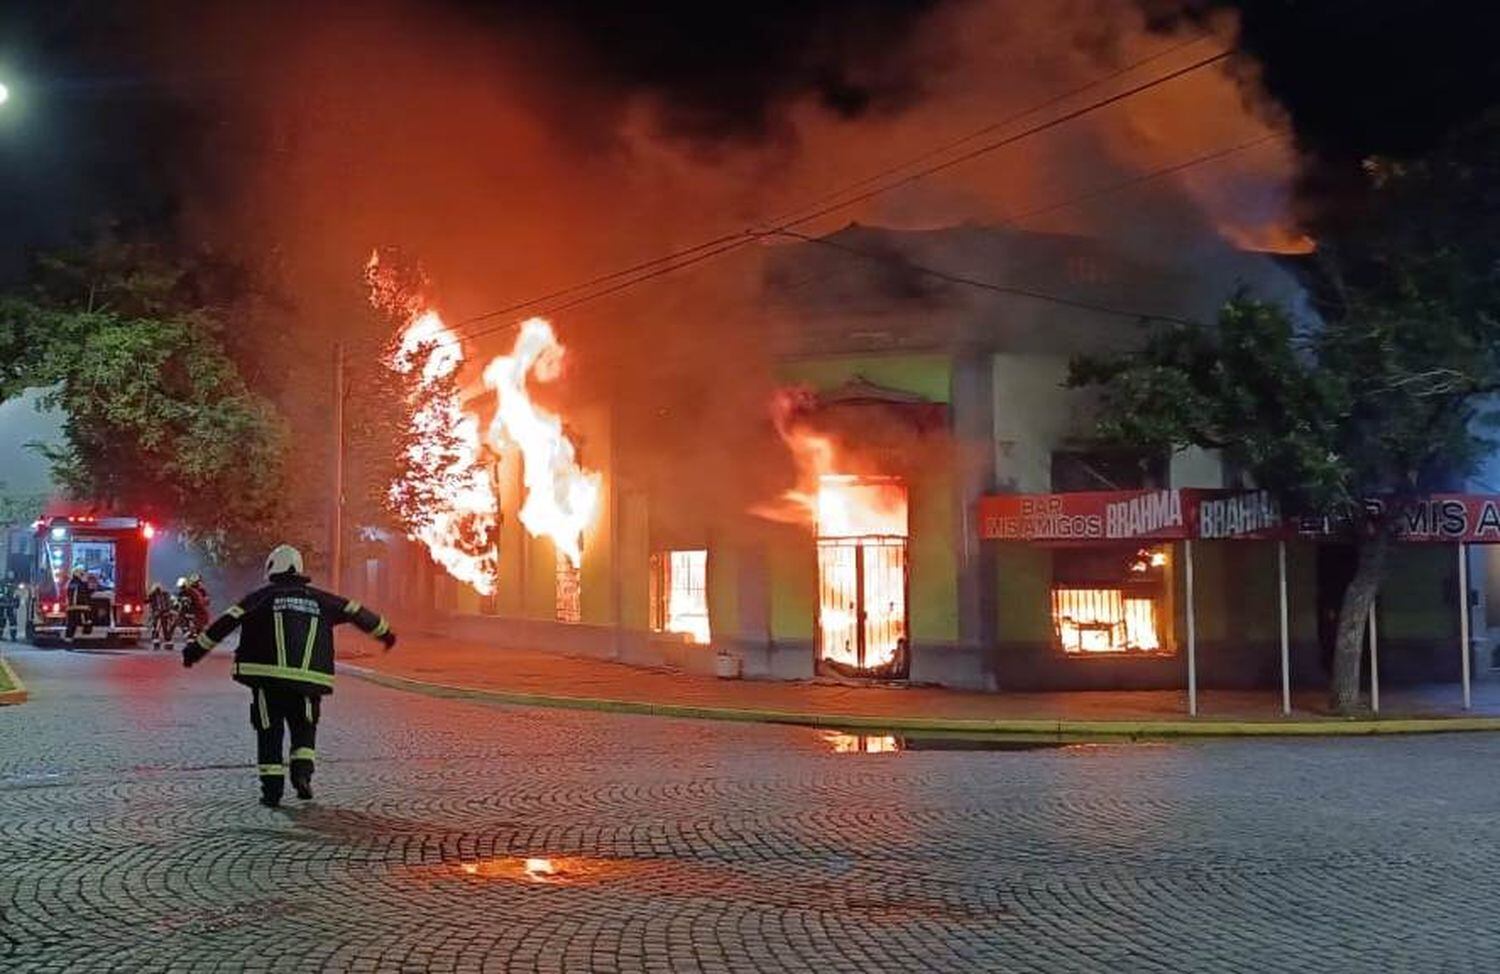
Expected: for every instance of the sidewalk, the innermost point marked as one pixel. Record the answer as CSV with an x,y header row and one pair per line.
x,y
447,667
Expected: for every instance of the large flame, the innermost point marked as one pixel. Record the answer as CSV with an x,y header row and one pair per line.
x,y
560,495
446,495
861,524
445,477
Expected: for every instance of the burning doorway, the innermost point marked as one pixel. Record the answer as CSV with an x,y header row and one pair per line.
x,y
862,576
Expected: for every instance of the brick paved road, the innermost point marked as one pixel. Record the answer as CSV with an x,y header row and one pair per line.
x,y
130,840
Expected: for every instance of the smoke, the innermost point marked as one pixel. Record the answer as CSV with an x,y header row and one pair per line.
x,y
520,148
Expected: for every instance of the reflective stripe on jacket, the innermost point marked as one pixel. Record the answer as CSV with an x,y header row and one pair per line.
x,y
286,633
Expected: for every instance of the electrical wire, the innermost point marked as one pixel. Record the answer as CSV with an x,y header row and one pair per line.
x,y
650,269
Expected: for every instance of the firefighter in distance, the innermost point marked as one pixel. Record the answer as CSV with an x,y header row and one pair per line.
x,y
80,605
285,657
160,618
10,601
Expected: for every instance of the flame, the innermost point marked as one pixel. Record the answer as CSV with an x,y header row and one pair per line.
x,y
458,513
686,607
446,495
861,526
560,495
1104,620
538,868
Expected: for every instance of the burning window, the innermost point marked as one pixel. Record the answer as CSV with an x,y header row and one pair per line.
x,y
569,590
1111,600
679,594
862,530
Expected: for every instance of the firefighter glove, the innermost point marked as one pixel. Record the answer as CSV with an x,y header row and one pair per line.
x,y
388,640
192,653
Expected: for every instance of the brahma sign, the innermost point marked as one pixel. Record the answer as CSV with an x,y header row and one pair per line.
x,y
1101,517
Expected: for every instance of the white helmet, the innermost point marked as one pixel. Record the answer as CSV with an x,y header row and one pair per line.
x,y
283,558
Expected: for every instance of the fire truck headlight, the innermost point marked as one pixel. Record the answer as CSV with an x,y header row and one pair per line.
x,y
59,533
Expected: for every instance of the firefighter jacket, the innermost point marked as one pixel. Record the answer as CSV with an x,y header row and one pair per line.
x,y
79,594
159,601
10,594
286,638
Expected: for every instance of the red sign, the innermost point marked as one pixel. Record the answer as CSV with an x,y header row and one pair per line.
x,y
1112,515
1175,515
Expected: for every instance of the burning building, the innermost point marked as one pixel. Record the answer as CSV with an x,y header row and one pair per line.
x,y
937,511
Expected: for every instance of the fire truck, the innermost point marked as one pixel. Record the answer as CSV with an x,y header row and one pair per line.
x,y
112,551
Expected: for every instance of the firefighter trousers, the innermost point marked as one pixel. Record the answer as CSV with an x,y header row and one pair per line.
x,y
8,621
79,615
271,709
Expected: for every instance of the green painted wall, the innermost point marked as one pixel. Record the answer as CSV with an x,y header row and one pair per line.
x,y
1418,598
930,376
1023,575
792,563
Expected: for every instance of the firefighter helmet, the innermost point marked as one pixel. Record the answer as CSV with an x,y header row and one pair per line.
x,y
283,559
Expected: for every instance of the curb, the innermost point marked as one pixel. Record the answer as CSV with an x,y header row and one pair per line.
x,y
1022,727
17,695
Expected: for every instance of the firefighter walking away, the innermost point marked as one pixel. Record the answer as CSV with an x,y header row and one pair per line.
x,y
285,657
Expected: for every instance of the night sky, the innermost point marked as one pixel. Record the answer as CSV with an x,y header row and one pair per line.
x,y
106,122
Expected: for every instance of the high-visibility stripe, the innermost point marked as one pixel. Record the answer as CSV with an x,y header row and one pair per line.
x,y
272,770
284,673
312,635
381,628
204,641
303,753
351,607
265,718
307,706
234,612
280,640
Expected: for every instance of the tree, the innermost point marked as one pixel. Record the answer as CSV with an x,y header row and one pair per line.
x,y
1384,393
129,342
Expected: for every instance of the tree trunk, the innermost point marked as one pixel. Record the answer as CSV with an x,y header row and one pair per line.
x,y
1354,616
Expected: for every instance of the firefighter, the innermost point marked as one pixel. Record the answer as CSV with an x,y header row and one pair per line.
x,y
198,602
10,600
159,616
80,605
285,657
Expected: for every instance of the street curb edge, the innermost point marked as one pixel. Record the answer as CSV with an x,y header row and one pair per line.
x,y
1115,729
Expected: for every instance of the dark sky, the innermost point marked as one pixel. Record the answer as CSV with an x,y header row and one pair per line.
x,y
100,125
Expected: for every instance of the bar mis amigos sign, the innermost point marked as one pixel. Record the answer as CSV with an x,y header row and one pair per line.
x,y
1129,515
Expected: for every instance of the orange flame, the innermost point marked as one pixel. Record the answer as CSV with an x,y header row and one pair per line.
x,y
444,454
560,495
447,462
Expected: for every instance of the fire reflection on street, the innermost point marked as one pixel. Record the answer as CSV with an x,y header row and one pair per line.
x,y
843,743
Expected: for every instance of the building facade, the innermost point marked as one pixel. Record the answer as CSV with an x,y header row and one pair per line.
x,y
932,366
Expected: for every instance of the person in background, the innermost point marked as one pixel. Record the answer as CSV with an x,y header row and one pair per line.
x,y
10,601
80,605
159,616
285,657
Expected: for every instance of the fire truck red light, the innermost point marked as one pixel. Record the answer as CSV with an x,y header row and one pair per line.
x,y
148,531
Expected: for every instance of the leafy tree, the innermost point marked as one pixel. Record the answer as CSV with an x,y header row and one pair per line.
x,y
1384,394
129,342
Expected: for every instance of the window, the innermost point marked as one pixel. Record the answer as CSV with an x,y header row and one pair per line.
x,y
1111,600
569,591
1106,470
679,594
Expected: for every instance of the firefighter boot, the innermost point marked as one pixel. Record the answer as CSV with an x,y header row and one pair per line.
x,y
271,785
302,779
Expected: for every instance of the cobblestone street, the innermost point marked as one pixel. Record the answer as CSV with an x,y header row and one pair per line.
x,y
130,839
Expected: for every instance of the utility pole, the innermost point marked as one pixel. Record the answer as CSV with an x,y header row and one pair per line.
x,y
338,467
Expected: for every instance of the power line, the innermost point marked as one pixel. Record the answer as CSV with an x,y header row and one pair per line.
x,y
951,278
723,244
1146,177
